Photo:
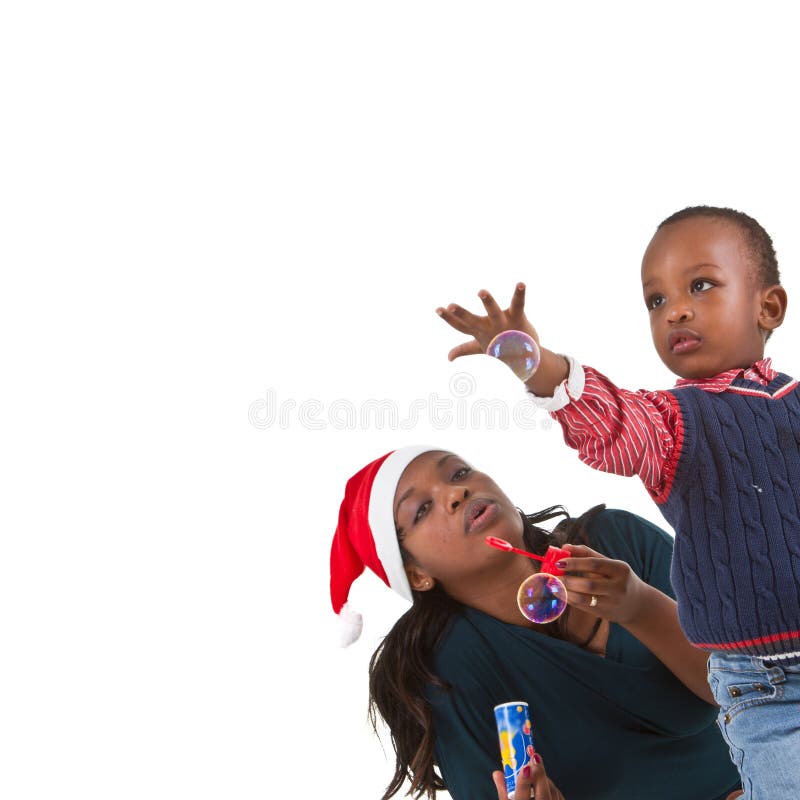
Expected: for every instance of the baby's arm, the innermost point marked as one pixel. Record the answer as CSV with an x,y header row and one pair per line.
x,y
613,430
552,369
616,430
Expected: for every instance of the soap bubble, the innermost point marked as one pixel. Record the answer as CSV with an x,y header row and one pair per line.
x,y
516,349
542,598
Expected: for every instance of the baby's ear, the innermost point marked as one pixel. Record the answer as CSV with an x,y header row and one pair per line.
x,y
773,307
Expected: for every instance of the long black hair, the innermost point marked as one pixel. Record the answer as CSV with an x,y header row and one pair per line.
x,y
402,666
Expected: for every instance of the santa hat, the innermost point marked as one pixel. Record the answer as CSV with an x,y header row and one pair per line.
x,y
366,535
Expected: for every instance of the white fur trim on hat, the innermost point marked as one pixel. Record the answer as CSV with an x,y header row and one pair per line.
x,y
381,515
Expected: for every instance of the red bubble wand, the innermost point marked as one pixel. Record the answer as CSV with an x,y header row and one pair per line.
x,y
548,560
541,597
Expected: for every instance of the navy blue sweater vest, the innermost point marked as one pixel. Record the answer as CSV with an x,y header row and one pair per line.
x,y
734,503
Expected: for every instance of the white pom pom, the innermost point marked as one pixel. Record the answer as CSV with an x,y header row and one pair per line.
x,y
350,625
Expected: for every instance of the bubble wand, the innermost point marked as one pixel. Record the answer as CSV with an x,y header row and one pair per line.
x,y
541,597
548,560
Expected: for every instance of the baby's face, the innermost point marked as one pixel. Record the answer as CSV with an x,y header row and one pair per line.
x,y
701,289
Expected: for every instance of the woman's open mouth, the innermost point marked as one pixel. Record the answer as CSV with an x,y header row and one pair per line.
x,y
479,514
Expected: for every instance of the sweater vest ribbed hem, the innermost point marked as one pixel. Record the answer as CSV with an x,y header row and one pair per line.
x,y
783,647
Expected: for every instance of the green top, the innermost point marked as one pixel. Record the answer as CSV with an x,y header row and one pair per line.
x,y
621,727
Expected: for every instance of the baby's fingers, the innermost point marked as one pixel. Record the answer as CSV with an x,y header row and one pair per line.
x,y
460,319
492,309
467,349
517,306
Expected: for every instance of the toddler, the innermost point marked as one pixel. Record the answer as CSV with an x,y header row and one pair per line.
x,y
720,455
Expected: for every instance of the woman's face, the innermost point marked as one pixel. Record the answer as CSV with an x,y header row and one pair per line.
x,y
443,510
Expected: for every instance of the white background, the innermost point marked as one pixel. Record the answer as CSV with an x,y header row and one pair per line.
x,y
210,207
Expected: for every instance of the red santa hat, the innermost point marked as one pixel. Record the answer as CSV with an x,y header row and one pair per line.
x,y
366,535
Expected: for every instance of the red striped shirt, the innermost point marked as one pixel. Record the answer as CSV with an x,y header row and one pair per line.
x,y
635,433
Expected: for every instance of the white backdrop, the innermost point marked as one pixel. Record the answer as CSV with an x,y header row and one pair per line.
x,y
225,229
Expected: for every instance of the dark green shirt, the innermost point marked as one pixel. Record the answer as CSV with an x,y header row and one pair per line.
x,y
621,727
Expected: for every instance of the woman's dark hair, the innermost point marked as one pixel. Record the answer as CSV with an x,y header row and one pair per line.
x,y
402,666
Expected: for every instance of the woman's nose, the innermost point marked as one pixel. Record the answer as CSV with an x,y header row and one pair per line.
x,y
455,496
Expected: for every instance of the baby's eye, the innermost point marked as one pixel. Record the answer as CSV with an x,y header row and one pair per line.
x,y
460,473
701,285
654,301
422,510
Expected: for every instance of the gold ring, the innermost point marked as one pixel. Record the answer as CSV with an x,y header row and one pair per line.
x,y
593,601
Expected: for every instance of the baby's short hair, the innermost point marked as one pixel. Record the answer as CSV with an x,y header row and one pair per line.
x,y
756,238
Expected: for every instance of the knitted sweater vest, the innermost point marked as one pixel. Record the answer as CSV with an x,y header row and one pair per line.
x,y
733,498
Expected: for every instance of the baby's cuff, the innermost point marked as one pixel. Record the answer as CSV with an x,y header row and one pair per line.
x,y
569,389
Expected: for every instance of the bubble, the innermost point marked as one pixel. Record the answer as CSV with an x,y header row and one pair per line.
x,y
542,598
516,349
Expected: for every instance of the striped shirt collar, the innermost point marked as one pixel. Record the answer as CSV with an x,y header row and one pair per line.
x,y
761,372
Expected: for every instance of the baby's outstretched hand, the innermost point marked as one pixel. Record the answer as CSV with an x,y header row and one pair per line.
x,y
484,329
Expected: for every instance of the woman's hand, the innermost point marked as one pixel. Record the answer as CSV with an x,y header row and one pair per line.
x,y
536,779
644,611
484,329
615,587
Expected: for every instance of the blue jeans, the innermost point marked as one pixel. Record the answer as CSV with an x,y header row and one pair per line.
x,y
759,717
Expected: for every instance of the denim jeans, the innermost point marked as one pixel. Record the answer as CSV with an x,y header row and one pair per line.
x,y
759,717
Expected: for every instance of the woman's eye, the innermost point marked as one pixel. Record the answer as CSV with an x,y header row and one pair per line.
x,y
701,285
654,302
421,511
461,473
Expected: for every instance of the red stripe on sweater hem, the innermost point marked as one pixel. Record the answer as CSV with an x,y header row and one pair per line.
x,y
775,637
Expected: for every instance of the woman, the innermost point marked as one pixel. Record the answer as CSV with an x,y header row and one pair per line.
x,y
619,701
